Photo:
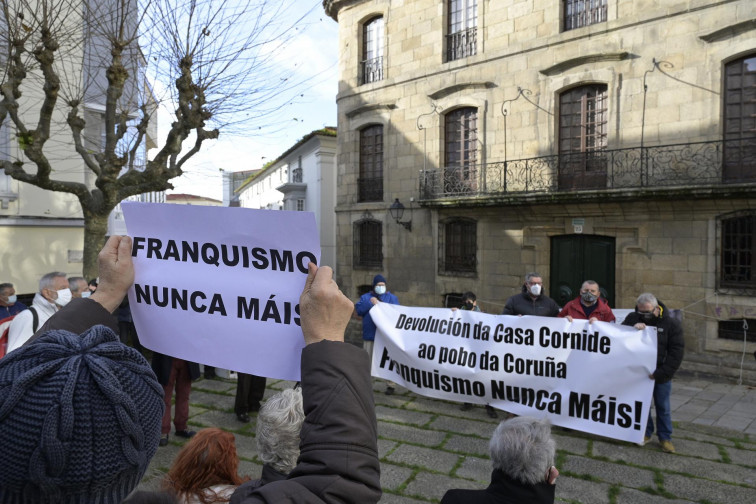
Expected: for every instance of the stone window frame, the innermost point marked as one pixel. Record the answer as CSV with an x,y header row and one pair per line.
x,y
367,244
464,260
372,49
745,287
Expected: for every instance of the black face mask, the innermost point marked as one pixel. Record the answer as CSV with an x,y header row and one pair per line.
x,y
469,306
648,318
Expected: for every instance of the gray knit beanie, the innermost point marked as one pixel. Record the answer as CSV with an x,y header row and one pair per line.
x,y
79,419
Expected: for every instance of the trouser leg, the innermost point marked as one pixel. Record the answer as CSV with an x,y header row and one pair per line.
x,y
183,389
662,392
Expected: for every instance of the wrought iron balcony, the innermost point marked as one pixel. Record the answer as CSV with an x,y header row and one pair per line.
x,y
461,44
702,164
371,189
579,13
371,70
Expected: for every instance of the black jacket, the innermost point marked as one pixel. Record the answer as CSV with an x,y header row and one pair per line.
x,y
503,490
338,460
269,475
670,342
523,304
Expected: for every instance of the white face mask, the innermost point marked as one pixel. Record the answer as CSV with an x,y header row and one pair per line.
x,y
380,289
64,296
535,289
86,294
12,299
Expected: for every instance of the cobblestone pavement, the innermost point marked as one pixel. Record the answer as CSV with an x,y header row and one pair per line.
x,y
427,446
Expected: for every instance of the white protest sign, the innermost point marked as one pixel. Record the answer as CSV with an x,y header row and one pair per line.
x,y
594,378
221,285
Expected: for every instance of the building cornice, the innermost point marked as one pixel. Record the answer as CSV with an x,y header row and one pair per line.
x,y
369,108
729,31
583,60
469,86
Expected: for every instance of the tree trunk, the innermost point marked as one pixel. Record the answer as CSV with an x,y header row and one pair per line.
x,y
95,229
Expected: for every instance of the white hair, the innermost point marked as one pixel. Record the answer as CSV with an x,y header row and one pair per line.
x,y
48,280
522,448
278,425
647,297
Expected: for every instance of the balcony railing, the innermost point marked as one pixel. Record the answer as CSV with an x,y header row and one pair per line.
x,y
692,164
579,13
371,70
296,175
371,189
461,44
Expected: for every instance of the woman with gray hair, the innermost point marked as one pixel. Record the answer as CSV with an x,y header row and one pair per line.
x,y
278,425
522,453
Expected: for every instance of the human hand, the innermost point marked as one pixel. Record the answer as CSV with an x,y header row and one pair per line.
x,y
116,272
640,326
552,475
592,320
374,300
454,308
324,310
569,319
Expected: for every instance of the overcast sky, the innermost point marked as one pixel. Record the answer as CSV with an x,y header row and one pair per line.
x,y
314,55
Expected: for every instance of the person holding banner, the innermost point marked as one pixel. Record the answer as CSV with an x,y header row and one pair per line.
x,y
522,452
363,307
588,305
470,303
532,300
670,348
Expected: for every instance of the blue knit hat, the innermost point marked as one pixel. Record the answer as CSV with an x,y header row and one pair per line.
x,y
377,279
79,419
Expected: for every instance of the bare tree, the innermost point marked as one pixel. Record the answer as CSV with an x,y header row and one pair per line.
x,y
84,79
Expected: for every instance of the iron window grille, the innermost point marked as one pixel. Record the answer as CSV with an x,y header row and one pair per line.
x,y
461,150
579,13
462,30
368,244
371,163
458,242
371,65
740,120
738,251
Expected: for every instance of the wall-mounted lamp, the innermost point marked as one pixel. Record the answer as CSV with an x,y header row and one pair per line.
x,y
397,211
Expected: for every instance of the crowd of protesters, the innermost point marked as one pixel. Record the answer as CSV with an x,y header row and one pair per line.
x,y
70,382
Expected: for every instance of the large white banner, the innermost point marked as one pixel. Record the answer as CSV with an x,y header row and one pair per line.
x,y
221,285
589,377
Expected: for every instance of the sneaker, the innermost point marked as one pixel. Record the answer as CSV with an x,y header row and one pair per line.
x,y
491,412
163,440
186,434
465,406
390,390
667,446
646,440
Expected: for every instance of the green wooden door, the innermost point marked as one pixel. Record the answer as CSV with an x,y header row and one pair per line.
x,y
576,258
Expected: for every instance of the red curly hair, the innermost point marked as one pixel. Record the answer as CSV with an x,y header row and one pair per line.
x,y
208,459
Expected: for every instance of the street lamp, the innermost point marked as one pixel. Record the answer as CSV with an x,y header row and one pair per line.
x,y
397,211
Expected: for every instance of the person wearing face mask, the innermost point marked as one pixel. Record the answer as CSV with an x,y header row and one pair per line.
x,y
670,348
379,293
532,300
79,287
53,295
9,303
588,305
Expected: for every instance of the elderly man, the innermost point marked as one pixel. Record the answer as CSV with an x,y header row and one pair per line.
x,y
588,305
9,303
79,287
53,295
670,348
532,300
522,452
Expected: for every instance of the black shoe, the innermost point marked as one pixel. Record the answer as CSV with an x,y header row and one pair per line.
x,y
466,406
186,434
390,390
243,417
163,440
491,412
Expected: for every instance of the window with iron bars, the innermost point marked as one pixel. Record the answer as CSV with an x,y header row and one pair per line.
x,y
462,29
461,150
368,244
371,66
579,13
738,251
371,163
458,246
740,120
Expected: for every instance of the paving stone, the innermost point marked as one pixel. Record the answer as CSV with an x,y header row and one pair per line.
x,y
410,434
223,386
251,469
401,415
392,475
435,406
434,486
278,385
481,429
734,421
393,401
211,400
631,496
610,473
577,445
711,491
652,456
475,468
223,420
466,444
435,460
578,490
681,433
385,446
703,450
388,498
246,446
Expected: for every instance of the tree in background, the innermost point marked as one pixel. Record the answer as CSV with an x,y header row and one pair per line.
x,y
84,79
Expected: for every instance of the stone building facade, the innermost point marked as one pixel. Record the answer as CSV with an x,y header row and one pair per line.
x,y
605,139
